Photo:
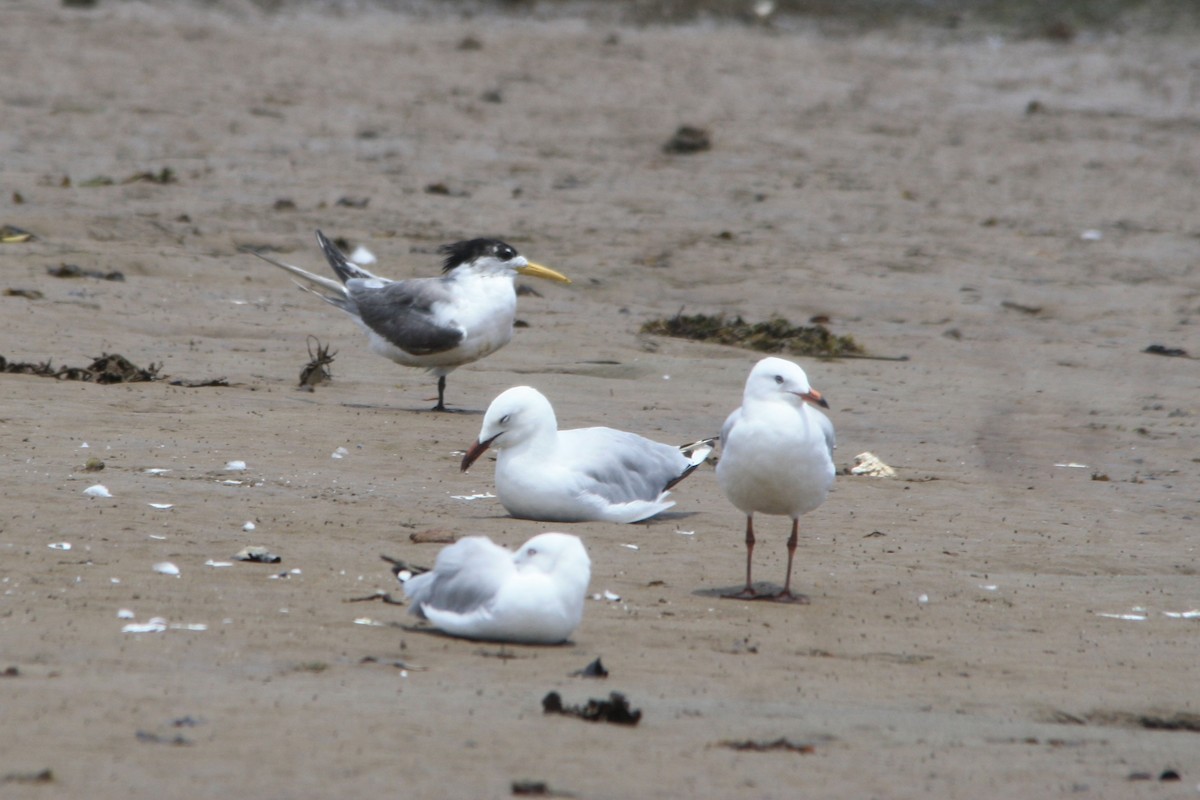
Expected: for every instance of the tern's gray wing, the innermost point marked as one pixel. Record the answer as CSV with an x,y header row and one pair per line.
x,y
466,575
622,467
344,267
403,312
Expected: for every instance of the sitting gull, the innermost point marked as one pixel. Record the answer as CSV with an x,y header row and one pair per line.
x,y
480,590
577,475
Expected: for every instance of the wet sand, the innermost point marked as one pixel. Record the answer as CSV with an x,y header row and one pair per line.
x,y
1018,218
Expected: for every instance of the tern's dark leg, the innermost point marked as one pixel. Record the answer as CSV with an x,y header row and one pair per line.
x,y
748,593
441,406
786,595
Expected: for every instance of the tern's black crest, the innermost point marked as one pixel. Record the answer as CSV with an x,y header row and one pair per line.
x,y
465,252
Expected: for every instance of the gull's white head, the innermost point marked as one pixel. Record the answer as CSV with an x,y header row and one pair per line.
x,y
780,379
555,553
492,257
517,415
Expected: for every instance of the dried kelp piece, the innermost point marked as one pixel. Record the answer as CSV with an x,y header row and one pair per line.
x,y
163,176
75,271
199,382
379,594
179,740
1163,350
392,662
36,776
28,294
444,190
1011,305
1186,721
108,368
615,709
536,789
776,335
688,139
316,371
764,747
592,670
1181,721
115,368
433,536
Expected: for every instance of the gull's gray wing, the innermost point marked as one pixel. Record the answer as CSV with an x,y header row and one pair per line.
x,y
827,429
620,466
403,313
466,575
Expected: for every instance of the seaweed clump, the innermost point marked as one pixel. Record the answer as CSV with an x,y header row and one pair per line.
x,y
776,335
108,368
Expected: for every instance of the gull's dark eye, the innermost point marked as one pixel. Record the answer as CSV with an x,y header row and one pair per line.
x,y
779,379
504,419
531,552
506,253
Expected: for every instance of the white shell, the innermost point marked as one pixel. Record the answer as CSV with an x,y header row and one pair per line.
x,y
125,613
249,526
98,490
161,506
362,256
235,466
869,464
166,568
59,545
155,625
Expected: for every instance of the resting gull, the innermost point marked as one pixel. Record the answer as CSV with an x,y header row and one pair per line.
x,y
480,590
577,475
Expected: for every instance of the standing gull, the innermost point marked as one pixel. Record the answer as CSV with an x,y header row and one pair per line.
x,y
577,475
776,456
479,590
435,323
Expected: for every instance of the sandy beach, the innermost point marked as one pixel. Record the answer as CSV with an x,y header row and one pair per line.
x,y
1013,615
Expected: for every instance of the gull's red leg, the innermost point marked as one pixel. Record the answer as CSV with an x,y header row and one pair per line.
x,y
786,595
748,593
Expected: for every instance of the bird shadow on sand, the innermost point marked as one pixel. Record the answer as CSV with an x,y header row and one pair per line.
x,y
766,594
503,650
666,516
466,412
